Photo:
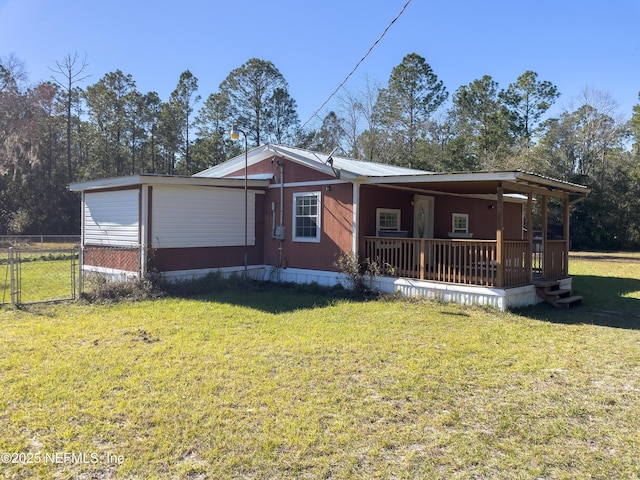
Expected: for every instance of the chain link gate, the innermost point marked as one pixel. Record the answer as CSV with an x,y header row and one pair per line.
x,y
40,275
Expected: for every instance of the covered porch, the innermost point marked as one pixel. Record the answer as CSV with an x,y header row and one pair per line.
x,y
492,256
486,263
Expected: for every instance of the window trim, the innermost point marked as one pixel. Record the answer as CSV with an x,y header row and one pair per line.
x,y
315,239
455,216
395,211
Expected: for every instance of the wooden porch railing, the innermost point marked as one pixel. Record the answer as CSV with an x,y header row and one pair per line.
x,y
467,262
555,259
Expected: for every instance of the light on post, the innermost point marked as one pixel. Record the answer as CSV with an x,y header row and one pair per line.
x,y
235,135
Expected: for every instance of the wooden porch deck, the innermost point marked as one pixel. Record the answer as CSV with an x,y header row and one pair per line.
x,y
468,262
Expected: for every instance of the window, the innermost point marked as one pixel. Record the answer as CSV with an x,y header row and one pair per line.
x,y
387,219
460,223
306,217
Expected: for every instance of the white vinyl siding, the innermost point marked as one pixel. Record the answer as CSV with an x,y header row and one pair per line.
x,y
201,217
112,218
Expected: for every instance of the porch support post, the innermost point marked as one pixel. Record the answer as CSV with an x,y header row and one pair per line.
x,y
423,247
546,257
565,264
500,238
528,259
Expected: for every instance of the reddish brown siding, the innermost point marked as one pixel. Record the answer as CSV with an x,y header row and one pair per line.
x,y
293,172
482,218
336,217
372,198
127,259
335,237
172,259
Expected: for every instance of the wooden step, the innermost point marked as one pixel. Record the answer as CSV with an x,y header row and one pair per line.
x,y
558,293
547,284
568,301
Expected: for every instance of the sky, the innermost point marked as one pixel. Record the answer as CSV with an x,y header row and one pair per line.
x,y
574,44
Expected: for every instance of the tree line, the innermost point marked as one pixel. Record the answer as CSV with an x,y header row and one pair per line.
x,y
55,132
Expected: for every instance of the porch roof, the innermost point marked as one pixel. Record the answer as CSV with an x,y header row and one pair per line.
x,y
476,183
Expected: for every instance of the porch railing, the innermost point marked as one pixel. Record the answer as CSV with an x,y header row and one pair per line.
x,y
467,262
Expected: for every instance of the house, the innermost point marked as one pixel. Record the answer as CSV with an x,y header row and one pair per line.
x,y
457,236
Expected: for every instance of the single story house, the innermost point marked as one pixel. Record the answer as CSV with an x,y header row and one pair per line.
x,y
286,214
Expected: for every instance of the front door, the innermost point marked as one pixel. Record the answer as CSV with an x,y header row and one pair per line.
x,y
423,216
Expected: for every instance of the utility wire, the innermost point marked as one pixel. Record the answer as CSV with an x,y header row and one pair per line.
x,y
358,64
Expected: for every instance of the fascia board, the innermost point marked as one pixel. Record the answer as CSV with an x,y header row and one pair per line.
x,y
133,180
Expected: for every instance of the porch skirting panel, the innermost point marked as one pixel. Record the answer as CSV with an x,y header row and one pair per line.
x,y
255,272
500,298
306,276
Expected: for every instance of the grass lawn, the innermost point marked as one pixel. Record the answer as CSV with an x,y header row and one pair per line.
x,y
277,382
46,274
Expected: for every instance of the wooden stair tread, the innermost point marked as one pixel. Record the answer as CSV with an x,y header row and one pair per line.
x,y
557,293
568,300
547,284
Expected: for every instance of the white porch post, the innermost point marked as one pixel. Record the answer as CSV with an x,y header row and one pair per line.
x,y
355,218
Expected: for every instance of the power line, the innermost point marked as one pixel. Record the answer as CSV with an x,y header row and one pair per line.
x,y
358,64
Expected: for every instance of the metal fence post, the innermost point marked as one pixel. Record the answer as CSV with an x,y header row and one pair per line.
x,y
80,270
12,282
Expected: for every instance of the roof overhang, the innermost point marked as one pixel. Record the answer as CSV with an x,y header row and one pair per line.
x,y
477,183
167,180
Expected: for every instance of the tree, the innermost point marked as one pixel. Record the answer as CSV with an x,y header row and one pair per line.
x,y
107,101
527,100
586,145
255,92
182,102
213,144
19,132
482,119
634,127
71,73
412,95
360,122
329,136
283,115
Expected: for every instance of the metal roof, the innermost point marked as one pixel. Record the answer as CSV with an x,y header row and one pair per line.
x,y
356,171
360,171
349,168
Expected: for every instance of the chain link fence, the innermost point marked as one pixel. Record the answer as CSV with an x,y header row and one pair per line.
x,y
30,274
34,275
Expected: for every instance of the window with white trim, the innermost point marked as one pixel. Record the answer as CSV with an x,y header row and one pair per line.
x,y
306,217
388,219
460,223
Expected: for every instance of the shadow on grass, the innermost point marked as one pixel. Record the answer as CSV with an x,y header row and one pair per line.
x,y
277,297
605,303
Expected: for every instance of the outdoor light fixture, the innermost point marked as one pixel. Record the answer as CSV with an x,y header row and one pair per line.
x,y
235,135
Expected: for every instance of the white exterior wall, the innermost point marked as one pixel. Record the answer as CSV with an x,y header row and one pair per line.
x,y
112,218
200,217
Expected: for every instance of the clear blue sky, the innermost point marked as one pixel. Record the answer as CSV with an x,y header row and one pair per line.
x,y
315,44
